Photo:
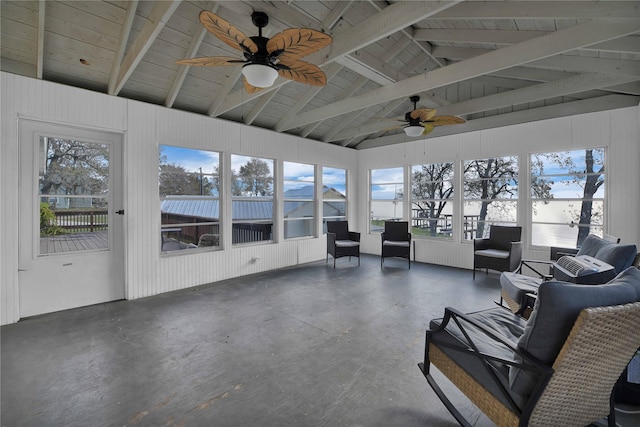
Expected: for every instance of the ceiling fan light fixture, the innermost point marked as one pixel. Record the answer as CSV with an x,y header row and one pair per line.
x,y
413,130
259,75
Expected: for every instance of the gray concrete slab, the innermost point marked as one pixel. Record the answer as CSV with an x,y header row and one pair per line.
x,y
306,346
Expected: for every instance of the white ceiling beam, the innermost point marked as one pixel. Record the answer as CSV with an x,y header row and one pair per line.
x,y
476,36
371,67
564,87
390,20
156,21
227,86
608,102
194,46
127,24
509,56
521,10
260,105
331,71
40,58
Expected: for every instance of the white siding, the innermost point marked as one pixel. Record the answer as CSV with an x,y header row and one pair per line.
x,y
146,126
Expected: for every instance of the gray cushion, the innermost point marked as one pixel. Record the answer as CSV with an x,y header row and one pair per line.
x,y
501,322
555,312
493,253
619,256
518,285
347,243
591,245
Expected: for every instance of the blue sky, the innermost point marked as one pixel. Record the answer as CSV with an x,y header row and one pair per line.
x,y
296,175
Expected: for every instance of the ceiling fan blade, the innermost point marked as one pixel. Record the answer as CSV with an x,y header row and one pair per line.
x,y
249,88
212,61
303,72
423,114
295,43
446,120
428,128
227,32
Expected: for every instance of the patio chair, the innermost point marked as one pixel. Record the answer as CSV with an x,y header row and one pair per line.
x,y
341,242
501,251
556,369
396,241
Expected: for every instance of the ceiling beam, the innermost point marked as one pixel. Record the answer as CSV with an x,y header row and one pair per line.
x,y
527,10
541,47
127,24
40,58
331,71
156,21
476,36
390,20
603,103
194,46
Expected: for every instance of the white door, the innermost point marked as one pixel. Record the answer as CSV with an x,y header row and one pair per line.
x,y
71,250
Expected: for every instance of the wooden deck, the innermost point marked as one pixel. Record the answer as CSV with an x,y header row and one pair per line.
x,y
74,242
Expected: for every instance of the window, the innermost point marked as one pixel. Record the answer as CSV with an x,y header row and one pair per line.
x,y
189,198
386,196
432,200
490,195
299,200
567,197
252,199
334,195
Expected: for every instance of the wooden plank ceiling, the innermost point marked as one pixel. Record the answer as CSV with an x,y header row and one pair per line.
x,y
493,63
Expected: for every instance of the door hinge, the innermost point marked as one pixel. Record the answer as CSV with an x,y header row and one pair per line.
x,y
120,212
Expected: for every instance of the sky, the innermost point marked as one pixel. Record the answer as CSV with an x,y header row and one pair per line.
x,y
296,175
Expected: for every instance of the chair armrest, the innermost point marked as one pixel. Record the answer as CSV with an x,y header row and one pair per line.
x,y
527,263
557,252
354,235
479,244
331,238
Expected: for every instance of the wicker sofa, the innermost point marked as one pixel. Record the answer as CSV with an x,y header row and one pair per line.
x,y
556,368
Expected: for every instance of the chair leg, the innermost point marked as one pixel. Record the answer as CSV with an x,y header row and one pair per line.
x,y
447,403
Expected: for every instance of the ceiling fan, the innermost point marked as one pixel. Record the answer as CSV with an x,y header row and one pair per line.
x,y
265,58
421,121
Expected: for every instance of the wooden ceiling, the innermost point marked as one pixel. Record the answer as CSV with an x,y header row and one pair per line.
x,y
494,63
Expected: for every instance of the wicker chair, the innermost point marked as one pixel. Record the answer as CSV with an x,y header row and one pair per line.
x,y
396,241
342,242
556,369
501,251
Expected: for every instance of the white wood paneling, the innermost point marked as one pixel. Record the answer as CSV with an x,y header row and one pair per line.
x,y
145,126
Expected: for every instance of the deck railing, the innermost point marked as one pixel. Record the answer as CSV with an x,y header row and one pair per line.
x,y
78,221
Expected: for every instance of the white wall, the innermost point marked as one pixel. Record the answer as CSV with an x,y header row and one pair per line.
x,y
146,126
616,130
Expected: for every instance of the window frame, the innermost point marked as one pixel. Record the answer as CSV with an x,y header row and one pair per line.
x,y
288,199
171,233
328,200
400,170
418,221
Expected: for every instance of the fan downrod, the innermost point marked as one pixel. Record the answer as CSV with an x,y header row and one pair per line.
x,y
414,99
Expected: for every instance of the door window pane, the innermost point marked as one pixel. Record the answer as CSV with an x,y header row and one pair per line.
x,y
73,191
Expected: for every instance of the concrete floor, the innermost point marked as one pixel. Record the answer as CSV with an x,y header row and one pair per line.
x,y
306,346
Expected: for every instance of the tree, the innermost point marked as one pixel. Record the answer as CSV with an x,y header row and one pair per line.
x,y
590,179
491,179
431,190
176,180
74,168
254,178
